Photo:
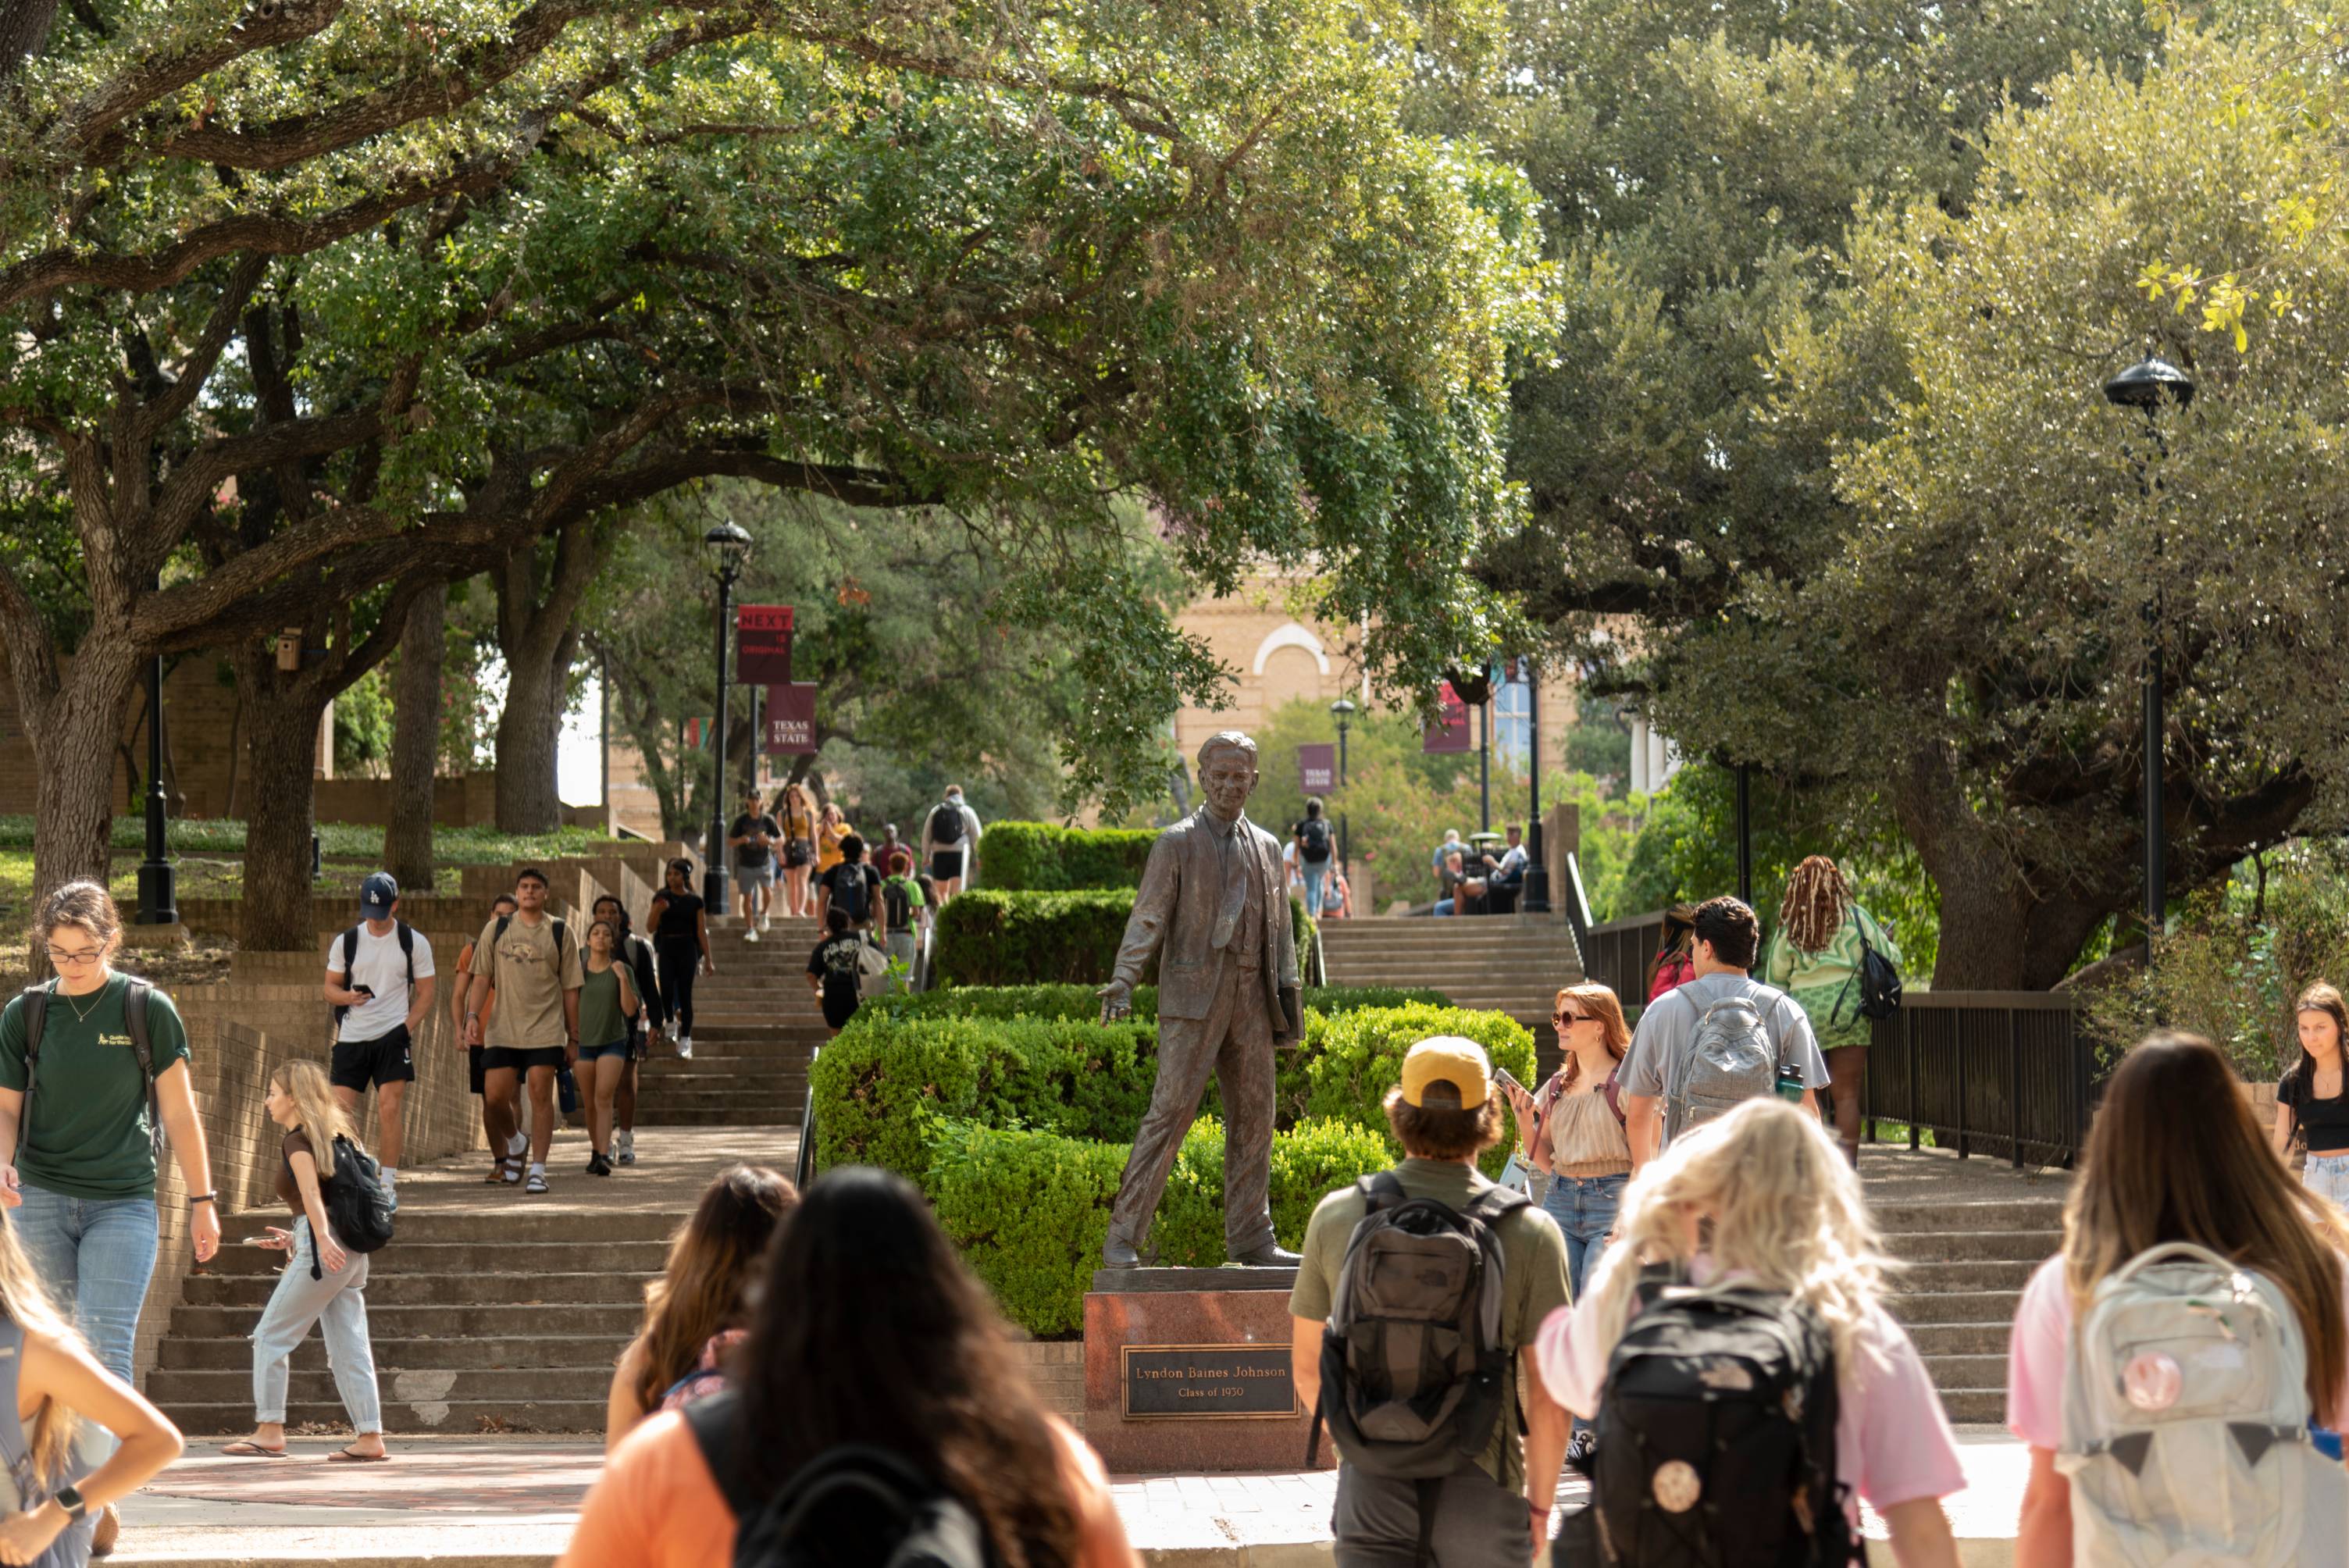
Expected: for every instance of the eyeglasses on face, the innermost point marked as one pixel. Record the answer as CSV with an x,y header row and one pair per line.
x,y
77,958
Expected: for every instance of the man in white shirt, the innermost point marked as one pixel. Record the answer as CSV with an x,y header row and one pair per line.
x,y
380,980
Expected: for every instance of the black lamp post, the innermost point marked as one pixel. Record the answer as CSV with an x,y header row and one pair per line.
x,y
728,546
2148,385
1536,895
158,902
1343,712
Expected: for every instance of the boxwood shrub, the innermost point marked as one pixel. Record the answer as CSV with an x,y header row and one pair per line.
x,y
1083,1002
1351,1059
1029,1208
993,937
1039,857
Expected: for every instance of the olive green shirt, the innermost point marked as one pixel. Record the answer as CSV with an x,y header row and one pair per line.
x,y
602,1020
86,1132
1533,1281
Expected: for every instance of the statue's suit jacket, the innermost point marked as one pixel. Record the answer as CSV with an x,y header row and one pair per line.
x,y
1175,917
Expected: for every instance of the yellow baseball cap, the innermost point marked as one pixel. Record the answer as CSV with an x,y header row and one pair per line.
x,y
1448,1058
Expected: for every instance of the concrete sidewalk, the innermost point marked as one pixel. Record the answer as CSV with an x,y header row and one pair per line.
x,y
511,1502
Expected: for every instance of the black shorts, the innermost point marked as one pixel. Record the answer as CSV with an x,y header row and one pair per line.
x,y
358,1064
473,1068
521,1058
945,865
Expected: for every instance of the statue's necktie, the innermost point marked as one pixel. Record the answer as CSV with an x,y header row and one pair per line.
x,y
1235,864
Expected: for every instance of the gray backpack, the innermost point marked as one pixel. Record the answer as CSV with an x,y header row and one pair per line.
x,y
1413,1367
2185,1422
1730,1060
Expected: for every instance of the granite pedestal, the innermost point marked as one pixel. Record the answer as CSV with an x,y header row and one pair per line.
x,y
1187,1370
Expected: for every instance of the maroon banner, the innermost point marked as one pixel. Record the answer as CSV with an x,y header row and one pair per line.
x,y
790,719
1317,769
763,645
1450,731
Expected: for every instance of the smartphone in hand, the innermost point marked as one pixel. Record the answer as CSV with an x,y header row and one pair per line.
x,y
1508,1080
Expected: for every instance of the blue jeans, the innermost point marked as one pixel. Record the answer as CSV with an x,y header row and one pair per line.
x,y
1585,1209
1443,906
2327,1175
1316,879
338,1302
96,1255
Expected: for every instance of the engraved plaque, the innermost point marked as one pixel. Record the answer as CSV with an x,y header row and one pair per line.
x,y
1176,1382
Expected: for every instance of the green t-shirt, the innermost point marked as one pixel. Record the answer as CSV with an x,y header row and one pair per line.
x,y
86,1133
1533,1281
601,1019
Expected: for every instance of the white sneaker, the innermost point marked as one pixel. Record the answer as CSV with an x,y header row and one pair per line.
x,y
766,917
684,1047
751,934
624,1147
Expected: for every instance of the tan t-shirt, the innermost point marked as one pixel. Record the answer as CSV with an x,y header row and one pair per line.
x,y
1533,1281
522,965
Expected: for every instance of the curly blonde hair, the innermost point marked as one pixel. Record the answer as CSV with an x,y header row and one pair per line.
x,y
1818,901
1774,1200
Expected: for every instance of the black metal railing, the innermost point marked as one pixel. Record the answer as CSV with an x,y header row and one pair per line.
x,y
1985,1072
1617,953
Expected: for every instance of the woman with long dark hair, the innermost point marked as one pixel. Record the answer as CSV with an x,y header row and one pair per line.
x,y
870,1333
2312,1097
1674,964
1815,957
681,947
700,1308
2175,1156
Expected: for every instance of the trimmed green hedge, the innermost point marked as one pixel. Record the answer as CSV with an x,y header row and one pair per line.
x,y
991,937
1038,857
1029,1210
1083,1002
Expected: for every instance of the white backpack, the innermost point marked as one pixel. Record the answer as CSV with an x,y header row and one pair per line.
x,y
1730,1059
2186,1417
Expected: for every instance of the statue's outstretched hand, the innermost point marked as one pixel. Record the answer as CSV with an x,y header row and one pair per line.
x,y
1117,1001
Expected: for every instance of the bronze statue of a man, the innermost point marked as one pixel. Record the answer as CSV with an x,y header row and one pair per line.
x,y
1212,906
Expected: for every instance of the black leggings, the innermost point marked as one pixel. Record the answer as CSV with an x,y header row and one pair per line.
x,y
680,959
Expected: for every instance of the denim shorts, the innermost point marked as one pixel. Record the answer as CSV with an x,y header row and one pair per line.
x,y
2328,1176
619,1048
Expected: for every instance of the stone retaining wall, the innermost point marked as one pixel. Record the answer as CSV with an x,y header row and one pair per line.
x,y
1058,1370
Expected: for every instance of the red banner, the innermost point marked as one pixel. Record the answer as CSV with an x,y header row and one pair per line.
x,y
791,720
763,645
1450,731
1317,769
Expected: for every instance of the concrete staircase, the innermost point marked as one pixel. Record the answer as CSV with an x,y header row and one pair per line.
x,y
1968,1261
1507,963
756,1026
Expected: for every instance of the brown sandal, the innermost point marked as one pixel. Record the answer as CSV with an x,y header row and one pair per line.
x,y
497,1175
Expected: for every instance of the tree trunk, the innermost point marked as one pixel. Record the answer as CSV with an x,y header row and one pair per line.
x,y
281,714
74,735
530,735
23,26
416,741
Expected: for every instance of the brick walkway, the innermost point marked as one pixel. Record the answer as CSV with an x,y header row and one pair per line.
x,y
509,1502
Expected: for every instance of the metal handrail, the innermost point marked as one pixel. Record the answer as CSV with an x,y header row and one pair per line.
x,y
1577,909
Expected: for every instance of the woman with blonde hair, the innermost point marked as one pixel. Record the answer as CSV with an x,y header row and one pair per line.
x,y
2174,1157
322,1283
1815,957
795,809
700,1308
2311,1098
44,1365
1761,1200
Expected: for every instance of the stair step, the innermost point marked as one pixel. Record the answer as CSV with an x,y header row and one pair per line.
x,y
416,1227
1923,1278
1961,1246
1979,1406
413,1256
1917,1309
1946,1339
608,1321
496,1351
415,1413
394,1288
1897,1218
581,1380
1973,1371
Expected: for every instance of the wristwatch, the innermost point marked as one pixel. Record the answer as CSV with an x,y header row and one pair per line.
x,y
69,1499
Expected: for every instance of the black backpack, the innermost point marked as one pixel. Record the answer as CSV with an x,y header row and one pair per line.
x,y
897,901
954,828
1413,1367
135,992
1314,832
359,1206
855,892
1716,1437
351,954
1878,981
856,1507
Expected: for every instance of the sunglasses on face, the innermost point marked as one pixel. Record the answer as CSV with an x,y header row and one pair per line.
x,y
1570,1018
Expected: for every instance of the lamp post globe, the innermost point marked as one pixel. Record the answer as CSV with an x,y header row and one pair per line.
x,y
2151,385
728,547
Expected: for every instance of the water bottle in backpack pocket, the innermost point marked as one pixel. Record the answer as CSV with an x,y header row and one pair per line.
x,y
1716,1444
2185,1422
1730,1059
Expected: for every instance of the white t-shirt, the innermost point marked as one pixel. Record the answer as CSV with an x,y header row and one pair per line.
x,y
378,964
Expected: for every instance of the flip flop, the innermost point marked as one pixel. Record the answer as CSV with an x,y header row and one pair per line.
x,y
246,1448
346,1456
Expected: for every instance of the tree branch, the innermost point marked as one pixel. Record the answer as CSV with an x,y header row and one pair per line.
x,y
197,367
267,25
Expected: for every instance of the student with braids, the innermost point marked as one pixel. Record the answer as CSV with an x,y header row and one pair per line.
x,y
1815,957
